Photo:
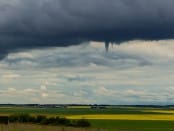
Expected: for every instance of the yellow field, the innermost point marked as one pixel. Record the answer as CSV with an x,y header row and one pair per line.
x,y
125,117
161,111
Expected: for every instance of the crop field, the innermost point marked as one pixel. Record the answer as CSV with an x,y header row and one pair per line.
x,y
111,119
124,117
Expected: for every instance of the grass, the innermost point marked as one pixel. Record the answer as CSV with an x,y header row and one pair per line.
x,y
111,119
133,125
99,125
31,127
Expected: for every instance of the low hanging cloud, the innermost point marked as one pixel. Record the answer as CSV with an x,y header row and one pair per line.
x,y
28,24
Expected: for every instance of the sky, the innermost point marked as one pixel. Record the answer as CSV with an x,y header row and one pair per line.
x,y
87,52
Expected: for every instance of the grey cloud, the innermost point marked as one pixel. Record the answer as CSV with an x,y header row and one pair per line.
x,y
121,80
72,58
43,23
125,56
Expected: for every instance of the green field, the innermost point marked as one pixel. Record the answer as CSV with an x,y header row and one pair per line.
x,y
83,111
112,119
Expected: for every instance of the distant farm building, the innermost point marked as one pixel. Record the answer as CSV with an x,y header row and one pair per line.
x,y
98,107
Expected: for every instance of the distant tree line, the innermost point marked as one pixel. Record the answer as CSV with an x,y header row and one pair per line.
x,y
41,119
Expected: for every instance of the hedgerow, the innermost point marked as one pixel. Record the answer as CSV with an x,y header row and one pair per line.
x,y
41,119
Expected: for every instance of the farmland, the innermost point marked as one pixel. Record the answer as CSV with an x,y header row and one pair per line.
x,y
32,127
111,118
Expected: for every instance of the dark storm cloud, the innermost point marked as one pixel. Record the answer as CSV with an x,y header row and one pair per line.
x,y
28,24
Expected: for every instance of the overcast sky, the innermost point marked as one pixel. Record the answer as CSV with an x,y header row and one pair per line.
x,y
53,51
